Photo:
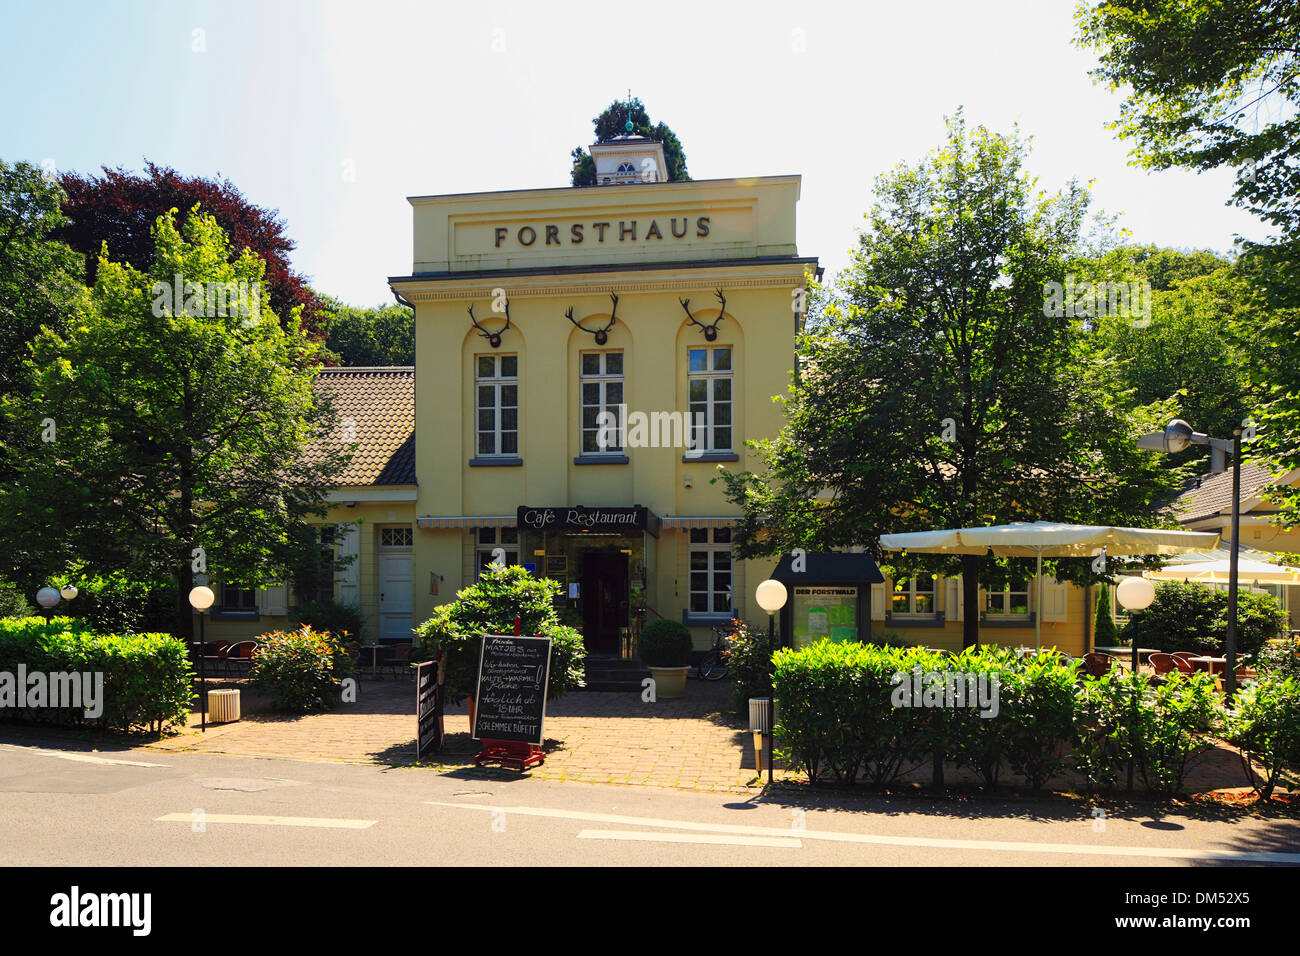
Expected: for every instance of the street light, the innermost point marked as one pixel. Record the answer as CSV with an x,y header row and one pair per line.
x,y
201,599
1177,436
771,596
68,592
47,597
1135,594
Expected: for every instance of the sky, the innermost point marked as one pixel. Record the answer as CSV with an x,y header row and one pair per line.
x,y
333,113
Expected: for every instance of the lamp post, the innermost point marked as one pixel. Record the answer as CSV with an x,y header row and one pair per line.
x,y
201,599
1135,594
47,597
1177,436
771,596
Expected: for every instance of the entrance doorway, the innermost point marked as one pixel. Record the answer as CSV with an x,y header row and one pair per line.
x,y
604,600
396,584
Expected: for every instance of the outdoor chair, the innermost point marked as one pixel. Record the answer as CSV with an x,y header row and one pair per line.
x,y
1162,664
399,660
1183,661
215,658
1096,664
239,658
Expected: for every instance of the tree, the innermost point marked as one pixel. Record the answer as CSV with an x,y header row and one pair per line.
x,y
40,279
613,122
936,393
384,335
120,208
1104,632
174,424
1212,84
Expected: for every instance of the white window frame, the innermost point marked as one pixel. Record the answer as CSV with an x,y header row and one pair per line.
x,y
711,548
602,380
497,382
1007,595
486,542
910,593
710,376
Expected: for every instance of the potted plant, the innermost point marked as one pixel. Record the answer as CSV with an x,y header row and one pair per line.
x,y
665,647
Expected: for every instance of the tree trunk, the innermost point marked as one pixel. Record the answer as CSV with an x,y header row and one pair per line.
x,y
970,595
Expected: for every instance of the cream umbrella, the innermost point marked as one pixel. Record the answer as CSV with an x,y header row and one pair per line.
x,y
1217,572
1039,539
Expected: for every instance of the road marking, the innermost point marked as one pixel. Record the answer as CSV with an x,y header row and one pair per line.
x,y
719,839
268,821
995,846
80,757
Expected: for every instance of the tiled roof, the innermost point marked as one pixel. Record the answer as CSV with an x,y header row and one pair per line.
x,y
1210,495
378,404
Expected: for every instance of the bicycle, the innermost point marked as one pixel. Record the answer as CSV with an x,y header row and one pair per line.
x,y
713,665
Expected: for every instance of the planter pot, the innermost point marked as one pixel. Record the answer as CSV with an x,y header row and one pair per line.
x,y
670,682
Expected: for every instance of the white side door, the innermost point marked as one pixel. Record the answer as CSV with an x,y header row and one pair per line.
x,y
396,589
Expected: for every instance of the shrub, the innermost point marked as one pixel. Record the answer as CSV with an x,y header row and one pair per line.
x,y
1280,656
1191,617
664,643
1103,726
146,677
490,606
749,663
13,603
1172,726
1104,632
1037,706
118,604
301,669
342,620
1265,727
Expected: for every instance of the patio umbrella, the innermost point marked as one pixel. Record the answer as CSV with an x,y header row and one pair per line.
x,y
1216,572
1039,539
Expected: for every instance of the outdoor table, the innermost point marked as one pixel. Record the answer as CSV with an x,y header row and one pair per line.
x,y
1212,665
374,657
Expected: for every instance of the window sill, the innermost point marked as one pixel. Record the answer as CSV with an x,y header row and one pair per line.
x,y
710,456
235,614
601,460
929,620
703,619
1020,620
502,462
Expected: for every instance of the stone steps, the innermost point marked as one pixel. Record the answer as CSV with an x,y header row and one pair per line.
x,y
614,674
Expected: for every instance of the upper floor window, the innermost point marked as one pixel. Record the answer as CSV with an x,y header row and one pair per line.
x,y
709,391
710,570
1010,600
496,384
602,392
626,168
913,595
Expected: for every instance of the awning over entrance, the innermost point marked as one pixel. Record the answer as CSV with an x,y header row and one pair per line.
x,y
693,521
825,568
465,521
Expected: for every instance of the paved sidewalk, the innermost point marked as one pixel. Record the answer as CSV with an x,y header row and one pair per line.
x,y
595,737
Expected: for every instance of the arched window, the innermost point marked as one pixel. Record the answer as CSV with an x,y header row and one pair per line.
x,y
626,168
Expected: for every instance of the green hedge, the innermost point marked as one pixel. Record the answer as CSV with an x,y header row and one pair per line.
x,y
839,709
146,677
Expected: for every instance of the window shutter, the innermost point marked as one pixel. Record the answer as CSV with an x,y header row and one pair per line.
x,y
956,600
349,577
877,602
273,600
1055,594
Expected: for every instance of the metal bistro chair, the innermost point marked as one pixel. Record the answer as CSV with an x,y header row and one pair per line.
x,y
215,658
1096,664
1183,661
399,660
1162,664
239,657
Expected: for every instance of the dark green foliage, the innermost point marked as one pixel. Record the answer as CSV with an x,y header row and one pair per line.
x,y
490,606
147,677
612,122
1186,616
383,335
664,643
1265,726
119,604
1280,657
1104,633
301,669
749,664
344,621
13,603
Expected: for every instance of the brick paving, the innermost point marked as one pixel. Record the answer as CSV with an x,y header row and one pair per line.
x,y
596,737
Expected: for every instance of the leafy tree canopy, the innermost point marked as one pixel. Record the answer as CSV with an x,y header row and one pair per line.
x,y
612,122
383,335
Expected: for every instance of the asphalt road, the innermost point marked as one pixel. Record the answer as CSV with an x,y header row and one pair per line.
x,y
79,807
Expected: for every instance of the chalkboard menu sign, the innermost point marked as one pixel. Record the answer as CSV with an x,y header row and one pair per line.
x,y
428,709
510,702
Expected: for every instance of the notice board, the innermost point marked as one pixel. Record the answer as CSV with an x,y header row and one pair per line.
x,y
510,698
